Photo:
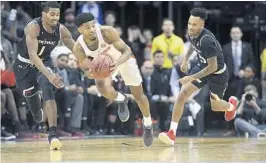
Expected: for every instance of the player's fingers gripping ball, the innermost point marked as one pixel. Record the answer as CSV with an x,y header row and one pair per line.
x,y
100,66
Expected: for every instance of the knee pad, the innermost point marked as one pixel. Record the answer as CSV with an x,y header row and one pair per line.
x,y
48,90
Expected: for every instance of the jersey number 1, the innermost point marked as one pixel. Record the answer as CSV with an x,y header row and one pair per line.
x,y
41,51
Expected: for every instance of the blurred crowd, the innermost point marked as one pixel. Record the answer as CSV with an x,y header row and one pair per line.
x,y
83,111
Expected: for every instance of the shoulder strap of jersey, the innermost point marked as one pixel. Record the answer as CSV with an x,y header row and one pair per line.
x,y
83,45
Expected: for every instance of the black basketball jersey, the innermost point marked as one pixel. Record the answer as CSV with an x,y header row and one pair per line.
x,y
46,42
207,46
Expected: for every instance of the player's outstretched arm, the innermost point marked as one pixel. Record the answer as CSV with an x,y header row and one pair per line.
x,y
111,37
66,37
31,32
189,52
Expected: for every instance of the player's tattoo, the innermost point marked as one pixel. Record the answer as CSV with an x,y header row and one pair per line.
x,y
212,67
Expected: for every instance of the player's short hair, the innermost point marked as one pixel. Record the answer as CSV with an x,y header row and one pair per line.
x,y
50,4
157,52
199,12
83,18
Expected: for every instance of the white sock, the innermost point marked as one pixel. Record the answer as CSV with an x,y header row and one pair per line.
x,y
173,126
231,107
147,121
120,97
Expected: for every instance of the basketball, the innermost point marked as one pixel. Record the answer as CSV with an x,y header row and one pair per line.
x,y
100,66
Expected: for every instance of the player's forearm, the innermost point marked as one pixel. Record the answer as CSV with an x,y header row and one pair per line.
x,y
39,64
189,52
205,72
124,57
69,43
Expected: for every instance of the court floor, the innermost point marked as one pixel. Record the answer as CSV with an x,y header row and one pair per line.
x,y
107,150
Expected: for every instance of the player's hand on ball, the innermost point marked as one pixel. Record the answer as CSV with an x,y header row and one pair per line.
x,y
186,79
113,67
184,66
55,79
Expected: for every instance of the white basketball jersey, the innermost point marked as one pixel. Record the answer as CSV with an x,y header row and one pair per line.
x,y
103,47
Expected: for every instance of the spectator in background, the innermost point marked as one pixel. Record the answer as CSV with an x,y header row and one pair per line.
x,y
109,18
98,106
148,36
121,34
94,8
263,73
76,78
146,72
4,133
70,23
251,114
14,26
137,43
169,43
160,89
237,55
88,121
10,96
248,79
7,50
71,98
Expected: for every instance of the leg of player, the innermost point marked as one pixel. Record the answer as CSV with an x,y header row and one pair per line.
x,y
35,106
229,108
143,103
48,94
108,91
186,91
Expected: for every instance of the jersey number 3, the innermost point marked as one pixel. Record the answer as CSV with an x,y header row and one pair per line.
x,y
41,51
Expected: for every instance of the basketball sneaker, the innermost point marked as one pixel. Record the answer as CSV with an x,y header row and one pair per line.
x,y
55,143
147,135
167,137
123,112
229,115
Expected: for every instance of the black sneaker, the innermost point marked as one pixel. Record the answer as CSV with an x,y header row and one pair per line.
x,y
54,142
7,136
147,135
123,112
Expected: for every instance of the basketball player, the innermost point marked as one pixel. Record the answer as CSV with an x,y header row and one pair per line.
x,y
95,40
34,68
210,70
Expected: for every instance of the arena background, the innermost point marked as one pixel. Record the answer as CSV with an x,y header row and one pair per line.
x,y
249,16
99,135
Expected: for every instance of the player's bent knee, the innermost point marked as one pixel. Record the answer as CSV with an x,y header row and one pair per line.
x,y
183,95
48,90
48,93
